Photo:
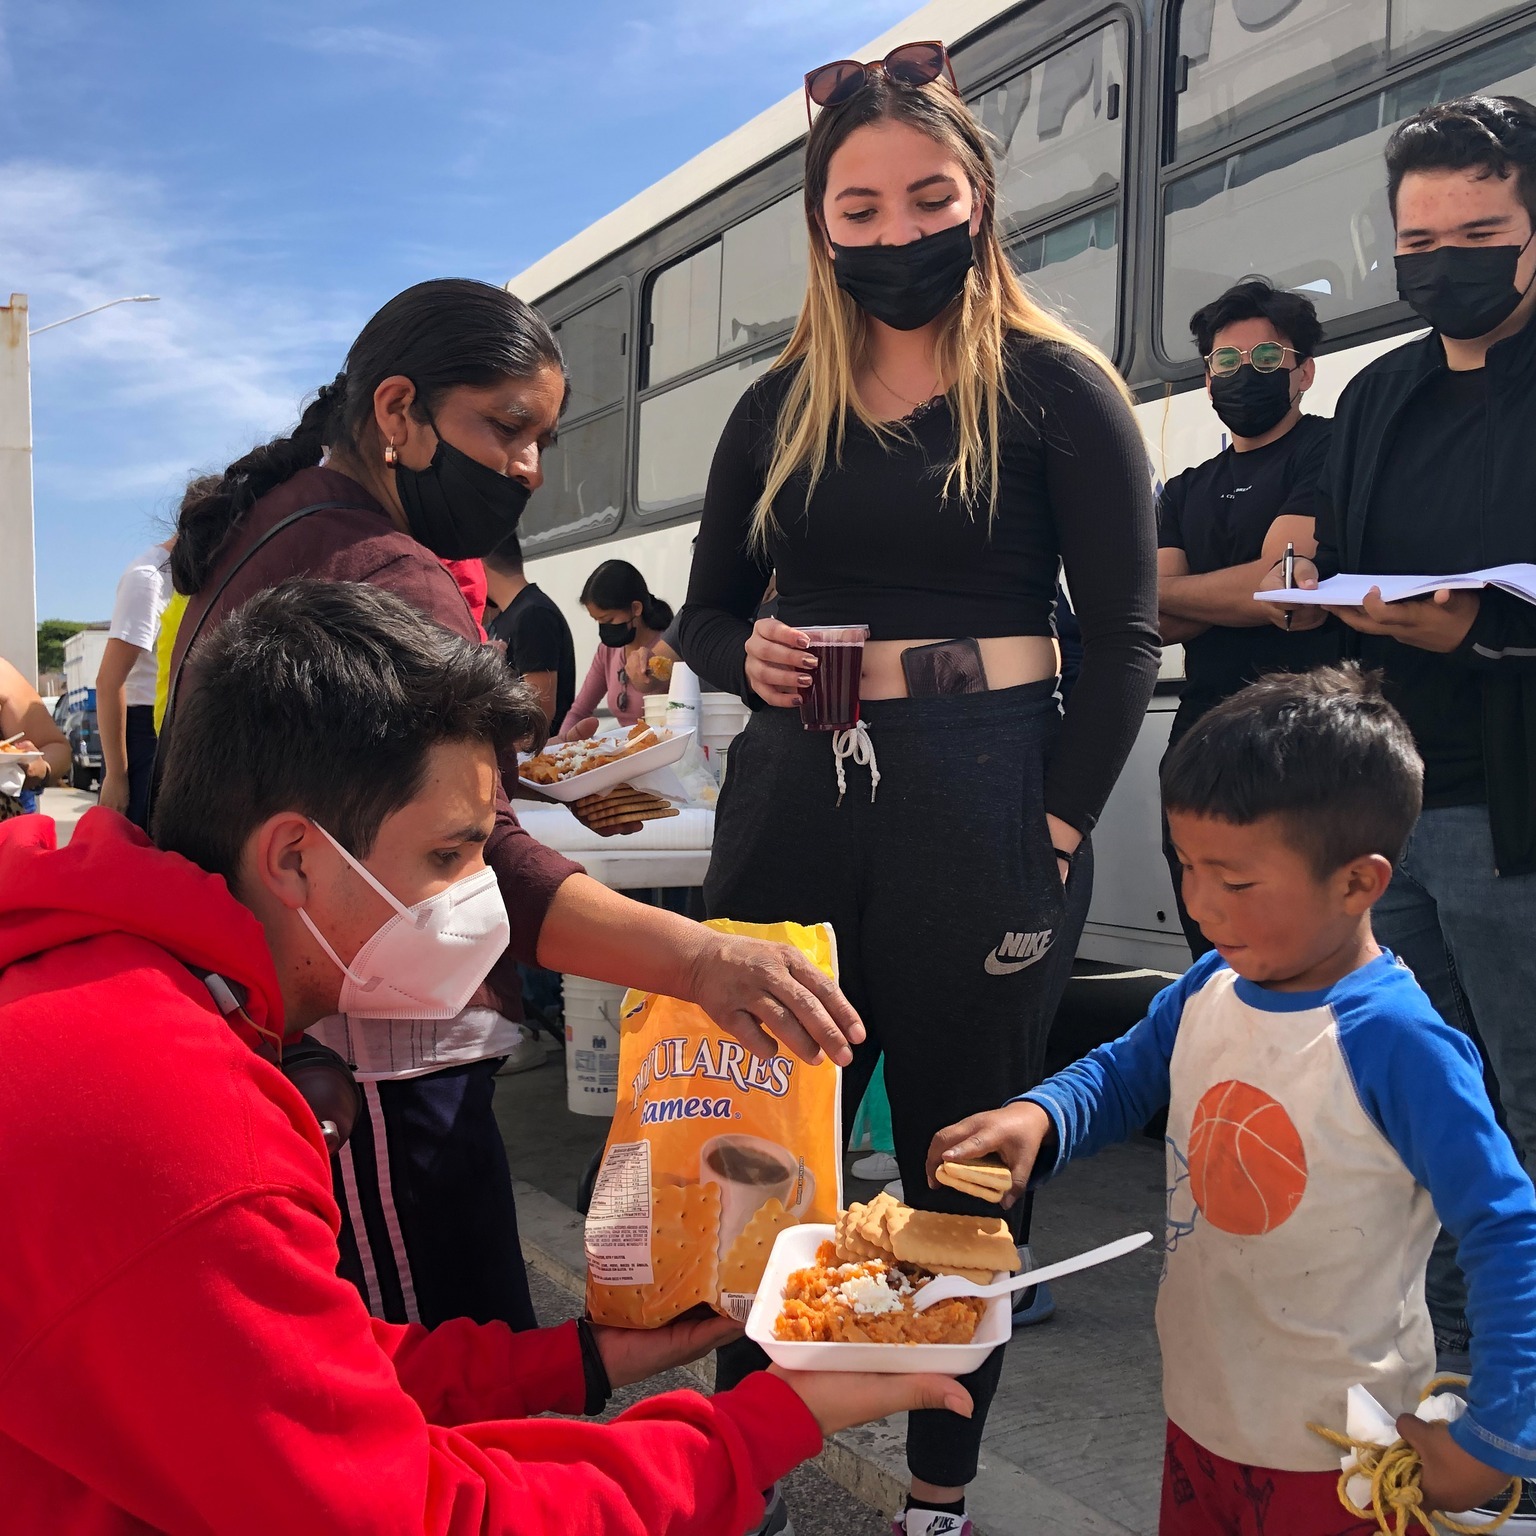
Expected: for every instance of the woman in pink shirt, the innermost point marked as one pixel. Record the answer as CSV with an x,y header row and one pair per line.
x,y
630,624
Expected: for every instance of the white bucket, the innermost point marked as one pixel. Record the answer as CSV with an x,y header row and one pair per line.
x,y
591,1045
723,717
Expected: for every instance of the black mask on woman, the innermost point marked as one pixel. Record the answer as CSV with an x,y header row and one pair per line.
x,y
906,286
1250,402
1464,291
616,634
458,507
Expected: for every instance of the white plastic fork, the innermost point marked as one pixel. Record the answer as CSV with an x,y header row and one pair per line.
x,y
952,1285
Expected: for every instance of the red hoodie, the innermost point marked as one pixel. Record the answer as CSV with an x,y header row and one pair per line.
x,y
176,1350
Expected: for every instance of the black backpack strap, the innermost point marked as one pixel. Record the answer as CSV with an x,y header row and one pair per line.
x,y
175,681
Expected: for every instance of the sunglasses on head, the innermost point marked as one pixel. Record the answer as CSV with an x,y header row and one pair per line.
x,y
911,65
1266,357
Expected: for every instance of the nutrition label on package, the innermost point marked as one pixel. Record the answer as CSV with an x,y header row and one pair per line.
x,y
619,1222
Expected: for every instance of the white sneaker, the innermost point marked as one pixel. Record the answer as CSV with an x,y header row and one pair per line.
x,y
524,1056
895,1191
878,1165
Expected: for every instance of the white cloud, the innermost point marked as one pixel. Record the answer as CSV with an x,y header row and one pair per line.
x,y
172,386
367,43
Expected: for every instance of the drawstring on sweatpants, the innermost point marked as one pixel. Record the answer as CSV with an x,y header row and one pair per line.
x,y
855,743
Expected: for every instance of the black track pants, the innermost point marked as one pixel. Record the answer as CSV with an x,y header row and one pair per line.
x,y
955,935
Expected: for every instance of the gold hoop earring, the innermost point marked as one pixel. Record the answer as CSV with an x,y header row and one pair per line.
x,y
390,456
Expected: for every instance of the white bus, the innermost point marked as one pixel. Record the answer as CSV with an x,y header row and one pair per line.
x,y
1150,153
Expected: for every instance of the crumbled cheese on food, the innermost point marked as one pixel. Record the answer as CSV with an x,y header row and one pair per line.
x,y
870,1293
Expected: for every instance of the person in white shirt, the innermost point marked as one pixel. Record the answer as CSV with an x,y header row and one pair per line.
x,y
125,684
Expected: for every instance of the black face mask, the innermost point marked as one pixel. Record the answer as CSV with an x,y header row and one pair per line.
x,y
458,507
1464,291
906,286
615,634
1250,402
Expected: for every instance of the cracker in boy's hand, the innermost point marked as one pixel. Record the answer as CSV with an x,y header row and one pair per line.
x,y
987,1178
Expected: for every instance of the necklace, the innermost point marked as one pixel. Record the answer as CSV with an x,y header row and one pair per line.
x,y
897,395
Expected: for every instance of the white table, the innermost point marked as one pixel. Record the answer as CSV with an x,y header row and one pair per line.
x,y
670,852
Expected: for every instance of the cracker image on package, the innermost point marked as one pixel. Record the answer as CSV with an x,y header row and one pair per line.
x,y
712,1153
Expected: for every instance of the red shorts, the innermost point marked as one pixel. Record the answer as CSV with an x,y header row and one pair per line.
x,y
1206,1495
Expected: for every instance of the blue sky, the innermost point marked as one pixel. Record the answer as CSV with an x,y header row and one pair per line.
x,y
275,170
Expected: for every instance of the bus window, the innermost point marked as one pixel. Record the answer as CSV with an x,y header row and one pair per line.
x,y
1073,270
685,315
762,279
1242,65
1061,125
679,430
583,488
1308,207
1422,23
592,342
734,292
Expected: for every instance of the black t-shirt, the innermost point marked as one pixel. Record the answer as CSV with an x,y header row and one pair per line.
x,y
1424,519
880,543
538,639
1218,513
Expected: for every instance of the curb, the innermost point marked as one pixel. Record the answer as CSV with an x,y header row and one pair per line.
x,y
869,1462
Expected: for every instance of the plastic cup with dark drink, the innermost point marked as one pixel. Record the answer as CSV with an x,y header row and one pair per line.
x,y
831,703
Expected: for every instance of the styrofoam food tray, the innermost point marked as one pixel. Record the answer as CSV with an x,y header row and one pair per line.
x,y
598,780
795,1248
19,757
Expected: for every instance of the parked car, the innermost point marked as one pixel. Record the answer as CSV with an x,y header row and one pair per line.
x,y
84,739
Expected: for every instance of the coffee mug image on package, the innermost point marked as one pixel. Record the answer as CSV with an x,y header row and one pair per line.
x,y
698,1177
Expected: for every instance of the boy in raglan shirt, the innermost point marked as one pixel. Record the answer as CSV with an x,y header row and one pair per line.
x,y
1322,1123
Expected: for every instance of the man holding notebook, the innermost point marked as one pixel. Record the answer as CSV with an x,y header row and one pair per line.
x,y
1432,471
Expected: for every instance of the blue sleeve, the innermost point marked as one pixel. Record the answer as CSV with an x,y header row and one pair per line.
x,y
1422,1084
1113,1091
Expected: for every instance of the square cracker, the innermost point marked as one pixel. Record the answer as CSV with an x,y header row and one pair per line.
x,y
685,1232
742,1268
874,1224
850,1246
619,1306
933,1240
988,1181
975,1276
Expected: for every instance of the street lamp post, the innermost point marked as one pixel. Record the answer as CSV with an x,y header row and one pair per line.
x,y
132,298
18,571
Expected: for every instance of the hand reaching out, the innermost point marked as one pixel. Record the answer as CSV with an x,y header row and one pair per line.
x,y
1017,1132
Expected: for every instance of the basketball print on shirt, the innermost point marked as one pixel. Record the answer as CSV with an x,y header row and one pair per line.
x,y
1247,1168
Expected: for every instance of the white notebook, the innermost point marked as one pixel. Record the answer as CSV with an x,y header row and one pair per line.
x,y
1349,591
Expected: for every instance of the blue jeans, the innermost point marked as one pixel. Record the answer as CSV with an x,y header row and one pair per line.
x,y
1469,936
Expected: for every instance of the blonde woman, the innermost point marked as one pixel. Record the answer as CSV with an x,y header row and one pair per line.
x,y
929,449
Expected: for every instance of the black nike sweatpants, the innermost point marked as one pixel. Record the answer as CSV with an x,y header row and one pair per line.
x,y
955,935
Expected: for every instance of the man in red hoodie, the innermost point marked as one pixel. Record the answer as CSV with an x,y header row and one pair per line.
x,y
176,1350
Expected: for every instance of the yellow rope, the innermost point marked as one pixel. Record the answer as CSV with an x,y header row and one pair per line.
x,y
1396,1505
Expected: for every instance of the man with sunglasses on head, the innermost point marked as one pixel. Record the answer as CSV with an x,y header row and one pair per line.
x,y
1433,471
1223,523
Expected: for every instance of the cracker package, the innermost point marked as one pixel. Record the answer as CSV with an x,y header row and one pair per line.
x,y
712,1153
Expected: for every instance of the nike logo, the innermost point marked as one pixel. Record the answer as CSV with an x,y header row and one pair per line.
x,y
1017,951
943,1525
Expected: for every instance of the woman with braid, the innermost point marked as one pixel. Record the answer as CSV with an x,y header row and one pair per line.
x,y
425,448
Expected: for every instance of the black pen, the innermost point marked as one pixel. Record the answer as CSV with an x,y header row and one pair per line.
x,y
1288,572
